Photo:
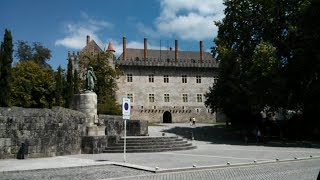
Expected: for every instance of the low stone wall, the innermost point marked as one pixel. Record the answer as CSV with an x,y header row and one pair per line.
x,y
93,144
40,132
115,126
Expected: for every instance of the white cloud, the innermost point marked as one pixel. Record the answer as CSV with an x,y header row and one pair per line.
x,y
77,32
187,19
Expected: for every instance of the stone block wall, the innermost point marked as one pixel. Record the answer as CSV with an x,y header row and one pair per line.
x,y
45,132
93,144
115,126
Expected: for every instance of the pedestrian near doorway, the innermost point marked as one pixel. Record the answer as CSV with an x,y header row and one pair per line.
x,y
193,121
258,135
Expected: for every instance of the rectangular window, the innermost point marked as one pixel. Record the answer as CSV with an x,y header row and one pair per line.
x,y
198,79
184,97
199,97
166,98
166,78
184,78
129,77
151,97
151,78
130,96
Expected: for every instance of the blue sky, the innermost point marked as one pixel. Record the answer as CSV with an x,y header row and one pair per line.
x,y
62,25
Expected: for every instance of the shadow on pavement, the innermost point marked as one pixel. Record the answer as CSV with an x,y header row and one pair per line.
x,y
219,134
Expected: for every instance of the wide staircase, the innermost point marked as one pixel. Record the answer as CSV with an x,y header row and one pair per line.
x,y
150,144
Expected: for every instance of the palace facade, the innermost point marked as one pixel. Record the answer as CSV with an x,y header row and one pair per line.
x,y
164,86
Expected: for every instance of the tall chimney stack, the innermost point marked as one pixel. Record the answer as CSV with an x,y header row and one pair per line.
x,y
201,51
145,48
176,50
124,42
88,39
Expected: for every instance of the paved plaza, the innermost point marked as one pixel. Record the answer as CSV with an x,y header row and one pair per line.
x,y
208,161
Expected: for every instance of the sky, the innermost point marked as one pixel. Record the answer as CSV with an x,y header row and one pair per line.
x,y
62,25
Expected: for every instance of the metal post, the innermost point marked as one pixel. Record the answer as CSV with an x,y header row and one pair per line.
x,y
124,143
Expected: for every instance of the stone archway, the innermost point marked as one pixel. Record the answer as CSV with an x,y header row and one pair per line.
x,y
167,117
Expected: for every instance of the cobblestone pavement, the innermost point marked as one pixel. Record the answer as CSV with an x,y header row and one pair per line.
x,y
298,170
78,173
209,154
295,170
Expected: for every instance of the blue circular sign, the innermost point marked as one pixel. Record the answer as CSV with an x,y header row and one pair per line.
x,y
126,106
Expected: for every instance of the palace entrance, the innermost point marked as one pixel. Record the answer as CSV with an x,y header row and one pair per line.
x,y
167,118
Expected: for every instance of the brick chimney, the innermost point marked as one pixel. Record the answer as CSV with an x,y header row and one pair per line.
x,y
145,48
201,51
176,49
124,42
88,39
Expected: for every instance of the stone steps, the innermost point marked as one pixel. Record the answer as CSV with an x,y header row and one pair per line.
x,y
150,144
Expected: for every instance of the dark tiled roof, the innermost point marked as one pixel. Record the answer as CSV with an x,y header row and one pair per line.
x,y
92,48
134,57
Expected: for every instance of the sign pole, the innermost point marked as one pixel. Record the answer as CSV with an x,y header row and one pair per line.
x,y
124,143
125,116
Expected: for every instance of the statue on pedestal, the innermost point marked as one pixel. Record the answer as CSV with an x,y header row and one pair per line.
x,y
90,78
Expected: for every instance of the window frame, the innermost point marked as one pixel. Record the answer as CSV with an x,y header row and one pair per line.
x,y
199,98
130,96
151,78
198,80
166,97
166,78
151,98
129,78
184,98
184,79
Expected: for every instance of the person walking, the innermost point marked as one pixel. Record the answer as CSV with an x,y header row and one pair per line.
x,y
194,121
258,135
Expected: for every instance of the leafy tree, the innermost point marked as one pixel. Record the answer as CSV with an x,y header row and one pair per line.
x,y
5,68
69,92
24,51
106,81
304,69
33,85
76,83
59,89
37,52
255,47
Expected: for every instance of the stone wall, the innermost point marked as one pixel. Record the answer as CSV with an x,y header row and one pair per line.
x,y
152,109
115,126
44,132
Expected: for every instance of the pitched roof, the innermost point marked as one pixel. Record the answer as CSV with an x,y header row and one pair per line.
x,y
91,47
167,58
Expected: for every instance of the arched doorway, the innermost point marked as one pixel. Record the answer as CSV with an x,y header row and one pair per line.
x,y
167,118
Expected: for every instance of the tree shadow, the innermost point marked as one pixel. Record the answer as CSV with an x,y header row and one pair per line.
x,y
220,134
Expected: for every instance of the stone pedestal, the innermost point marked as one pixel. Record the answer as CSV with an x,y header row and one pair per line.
x,y
86,103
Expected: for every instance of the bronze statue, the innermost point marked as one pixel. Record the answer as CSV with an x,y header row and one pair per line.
x,y
90,78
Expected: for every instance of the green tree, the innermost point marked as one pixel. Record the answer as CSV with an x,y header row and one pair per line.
x,y
105,86
303,70
59,89
37,52
69,92
76,83
6,68
33,85
255,47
